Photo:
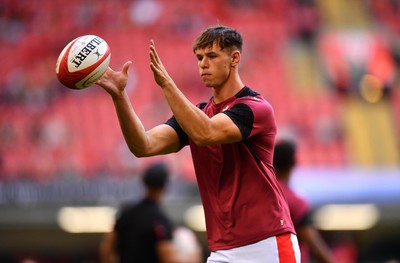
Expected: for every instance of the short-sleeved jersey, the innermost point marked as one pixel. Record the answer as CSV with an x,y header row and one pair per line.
x,y
242,199
139,227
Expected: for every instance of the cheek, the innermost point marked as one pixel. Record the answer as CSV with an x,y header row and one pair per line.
x,y
223,70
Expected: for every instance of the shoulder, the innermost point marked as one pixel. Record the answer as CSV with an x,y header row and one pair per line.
x,y
127,207
253,99
261,110
247,92
296,201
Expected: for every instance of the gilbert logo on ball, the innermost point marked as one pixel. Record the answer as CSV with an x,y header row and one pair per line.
x,y
83,61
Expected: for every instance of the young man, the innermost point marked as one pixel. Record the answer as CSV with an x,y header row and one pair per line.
x,y
231,138
143,232
309,238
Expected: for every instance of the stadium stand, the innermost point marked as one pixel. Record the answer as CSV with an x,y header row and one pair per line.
x,y
48,131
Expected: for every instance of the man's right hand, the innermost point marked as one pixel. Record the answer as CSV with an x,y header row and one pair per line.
x,y
114,82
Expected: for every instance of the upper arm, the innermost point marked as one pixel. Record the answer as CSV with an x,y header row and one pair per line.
x,y
317,245
232,125
169,252
162,139
222,130
166,251
229,126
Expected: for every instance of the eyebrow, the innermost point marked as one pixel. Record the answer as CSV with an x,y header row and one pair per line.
x,y
210,53
205,53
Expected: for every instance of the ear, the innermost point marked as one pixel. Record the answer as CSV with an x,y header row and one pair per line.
x,y
235,57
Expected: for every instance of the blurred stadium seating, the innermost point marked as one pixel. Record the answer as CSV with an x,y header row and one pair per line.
x,y
297,54
330,68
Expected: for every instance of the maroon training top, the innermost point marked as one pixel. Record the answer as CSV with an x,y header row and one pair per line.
x,y
242,199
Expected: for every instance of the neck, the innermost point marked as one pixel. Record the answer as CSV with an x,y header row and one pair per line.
x,y
227,90
284,176
154,195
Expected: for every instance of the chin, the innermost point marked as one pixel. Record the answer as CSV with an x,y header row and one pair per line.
x,y
208,84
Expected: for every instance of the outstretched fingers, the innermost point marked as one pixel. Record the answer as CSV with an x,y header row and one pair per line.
x,y
105,76
115,81
155,59
111,74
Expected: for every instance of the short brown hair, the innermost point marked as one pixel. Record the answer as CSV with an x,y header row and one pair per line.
x,y
226,37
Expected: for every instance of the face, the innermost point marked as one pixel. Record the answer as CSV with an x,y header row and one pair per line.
x,y
214,65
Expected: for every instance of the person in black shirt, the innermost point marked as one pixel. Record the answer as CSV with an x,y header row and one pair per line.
x,y
143,233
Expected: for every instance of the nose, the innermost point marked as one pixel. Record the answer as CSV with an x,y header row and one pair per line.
x,y
203,63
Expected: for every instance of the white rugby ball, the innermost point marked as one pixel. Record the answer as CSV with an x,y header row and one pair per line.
x,y
83,61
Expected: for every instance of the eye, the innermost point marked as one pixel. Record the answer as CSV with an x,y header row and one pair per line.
x,y
212,55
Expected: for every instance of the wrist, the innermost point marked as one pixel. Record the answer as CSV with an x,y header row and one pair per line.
x,y
120,95
168,84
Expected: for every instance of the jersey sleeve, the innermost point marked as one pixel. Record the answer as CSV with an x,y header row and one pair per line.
x,y
242,115
183,137
252,116
162,229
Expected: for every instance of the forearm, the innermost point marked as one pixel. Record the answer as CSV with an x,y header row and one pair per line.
x,y
316,244
131,126
321,252
107,253
201,129
192,120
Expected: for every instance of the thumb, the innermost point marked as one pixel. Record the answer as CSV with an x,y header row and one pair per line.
x,y
126,66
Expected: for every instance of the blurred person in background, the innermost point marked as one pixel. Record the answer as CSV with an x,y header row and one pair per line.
x,y
231,138
310,240
143,233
